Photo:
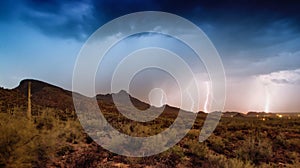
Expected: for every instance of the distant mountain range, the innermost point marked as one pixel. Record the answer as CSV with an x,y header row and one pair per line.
x,y
45,95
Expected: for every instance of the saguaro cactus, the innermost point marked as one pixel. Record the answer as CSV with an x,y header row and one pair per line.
x,y
29,101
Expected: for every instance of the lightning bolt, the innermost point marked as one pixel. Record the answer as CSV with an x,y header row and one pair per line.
x,y
162,96
207,97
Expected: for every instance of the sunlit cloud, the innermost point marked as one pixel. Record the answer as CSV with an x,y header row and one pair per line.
x,y
282,77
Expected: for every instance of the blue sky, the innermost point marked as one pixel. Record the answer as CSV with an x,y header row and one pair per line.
x,y
259,43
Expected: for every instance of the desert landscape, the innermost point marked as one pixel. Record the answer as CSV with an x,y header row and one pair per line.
x,y
53,136
149,84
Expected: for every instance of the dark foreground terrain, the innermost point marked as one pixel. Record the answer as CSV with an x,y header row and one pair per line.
x,y
53,137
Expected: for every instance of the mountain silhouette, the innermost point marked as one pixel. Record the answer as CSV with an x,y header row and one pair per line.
x,y
45,95
122,95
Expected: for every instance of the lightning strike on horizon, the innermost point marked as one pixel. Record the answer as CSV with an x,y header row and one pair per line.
x,y
163,98
207,97
161,102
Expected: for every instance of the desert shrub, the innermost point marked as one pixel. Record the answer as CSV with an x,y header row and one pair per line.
x,y
239,135
236,163
280,141
86,159
21,145
216,143
132,161
46,120
294,144
256,151
13,137
44,123
236,125
26,143
214,160
220,161
193,134
72,132
65,150
196,148
172,156
177,151
294,158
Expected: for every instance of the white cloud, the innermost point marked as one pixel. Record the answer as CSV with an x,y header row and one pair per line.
x,y
281,77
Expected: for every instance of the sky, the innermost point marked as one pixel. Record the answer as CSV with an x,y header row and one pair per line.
x,y
258,42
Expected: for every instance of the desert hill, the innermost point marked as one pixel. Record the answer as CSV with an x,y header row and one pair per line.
x,y
45,95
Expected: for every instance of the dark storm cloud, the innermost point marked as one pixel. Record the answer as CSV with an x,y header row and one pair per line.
x,y
66,19
240,30
235,19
